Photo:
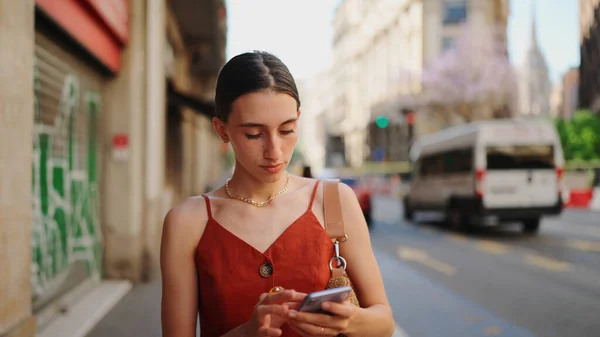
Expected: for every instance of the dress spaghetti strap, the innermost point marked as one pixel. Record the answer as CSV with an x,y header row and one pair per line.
x,y
312,197
208,211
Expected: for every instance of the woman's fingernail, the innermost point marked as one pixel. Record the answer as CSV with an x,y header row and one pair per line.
x,y
293,313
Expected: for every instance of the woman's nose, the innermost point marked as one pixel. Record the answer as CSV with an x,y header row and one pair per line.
x,y
273,148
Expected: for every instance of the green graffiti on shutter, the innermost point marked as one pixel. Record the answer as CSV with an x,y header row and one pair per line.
x,y
66,226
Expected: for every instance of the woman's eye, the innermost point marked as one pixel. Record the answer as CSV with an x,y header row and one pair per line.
x,y
255,136
286,132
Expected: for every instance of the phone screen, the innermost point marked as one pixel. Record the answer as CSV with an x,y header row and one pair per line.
x,y
313,301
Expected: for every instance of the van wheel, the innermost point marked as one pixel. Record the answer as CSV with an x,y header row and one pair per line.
x,y
531,226
455,219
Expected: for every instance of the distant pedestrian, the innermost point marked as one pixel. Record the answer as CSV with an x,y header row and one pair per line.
x,y
306,172
245,255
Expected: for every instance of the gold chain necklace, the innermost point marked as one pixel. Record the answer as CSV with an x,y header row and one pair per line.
x,y
256,203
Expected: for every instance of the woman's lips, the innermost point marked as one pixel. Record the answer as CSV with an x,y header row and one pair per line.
x,y
273,168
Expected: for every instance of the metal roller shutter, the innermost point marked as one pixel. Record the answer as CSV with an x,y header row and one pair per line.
x,y
66,236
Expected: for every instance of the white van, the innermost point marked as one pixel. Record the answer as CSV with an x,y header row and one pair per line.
x,y
488,173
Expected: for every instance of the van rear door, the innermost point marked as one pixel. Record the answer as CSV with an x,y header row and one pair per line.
x,y
519,176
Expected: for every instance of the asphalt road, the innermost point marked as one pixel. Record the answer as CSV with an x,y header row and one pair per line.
x,y
493,282
440,284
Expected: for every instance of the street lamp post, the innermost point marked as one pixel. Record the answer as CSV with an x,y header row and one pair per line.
x,y
409,118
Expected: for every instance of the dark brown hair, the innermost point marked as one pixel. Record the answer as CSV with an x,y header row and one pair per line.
x,y
252,72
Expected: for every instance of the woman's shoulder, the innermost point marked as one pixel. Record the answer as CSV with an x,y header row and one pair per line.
x,y
345,191
192,207
185,222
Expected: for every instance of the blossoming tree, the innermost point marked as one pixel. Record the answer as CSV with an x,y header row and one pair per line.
x,y
473,79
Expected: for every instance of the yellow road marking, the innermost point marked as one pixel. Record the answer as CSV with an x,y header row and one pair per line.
x,y
492,331
492,247
547,263
413,254
584,245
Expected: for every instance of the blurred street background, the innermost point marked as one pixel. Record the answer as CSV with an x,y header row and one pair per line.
x,y
105,124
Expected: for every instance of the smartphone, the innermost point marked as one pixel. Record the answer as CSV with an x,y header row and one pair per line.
x,y
312,302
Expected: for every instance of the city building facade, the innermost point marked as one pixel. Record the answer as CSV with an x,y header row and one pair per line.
x,y
589,28
556,98
534,82
105,109
316,101
570,94
380,50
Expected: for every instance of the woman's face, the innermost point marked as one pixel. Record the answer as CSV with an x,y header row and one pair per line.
x,y
263,130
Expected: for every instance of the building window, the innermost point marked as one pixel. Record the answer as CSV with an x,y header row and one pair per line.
x,y
447,43
455,11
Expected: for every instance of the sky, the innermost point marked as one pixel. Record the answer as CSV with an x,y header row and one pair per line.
x,y
557,32
300,32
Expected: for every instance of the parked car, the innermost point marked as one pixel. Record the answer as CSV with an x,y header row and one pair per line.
x,y
363,194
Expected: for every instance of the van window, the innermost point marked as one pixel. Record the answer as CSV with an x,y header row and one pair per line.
x,y
431,165
455,161
458,161
520,157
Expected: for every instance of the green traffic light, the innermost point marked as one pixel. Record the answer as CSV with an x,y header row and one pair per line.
x,y
382,122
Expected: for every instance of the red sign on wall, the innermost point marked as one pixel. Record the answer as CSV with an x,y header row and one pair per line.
x,y
115,13
120,147
120,141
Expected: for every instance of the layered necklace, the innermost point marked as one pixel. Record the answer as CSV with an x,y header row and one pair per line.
x,y
256,203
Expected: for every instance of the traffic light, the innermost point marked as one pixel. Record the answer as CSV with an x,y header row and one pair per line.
x,y
382,122
410,117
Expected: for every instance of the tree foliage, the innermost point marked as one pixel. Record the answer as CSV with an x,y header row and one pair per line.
x,y
472,76
580,137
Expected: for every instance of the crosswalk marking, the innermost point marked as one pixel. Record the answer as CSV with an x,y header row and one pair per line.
x,y
547,263
492,247
584,245
495,248
492,331
412,254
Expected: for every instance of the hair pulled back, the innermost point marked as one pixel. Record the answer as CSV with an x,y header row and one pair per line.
x,y
252,72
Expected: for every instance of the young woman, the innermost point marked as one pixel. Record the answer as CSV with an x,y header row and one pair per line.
x,y
224,251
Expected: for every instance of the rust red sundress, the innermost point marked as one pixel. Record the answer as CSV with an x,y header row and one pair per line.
x,y
232,274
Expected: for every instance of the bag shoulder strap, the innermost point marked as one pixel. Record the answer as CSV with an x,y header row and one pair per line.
x,y
332,209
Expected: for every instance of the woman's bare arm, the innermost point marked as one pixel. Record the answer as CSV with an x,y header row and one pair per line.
x,y
375,319
183,226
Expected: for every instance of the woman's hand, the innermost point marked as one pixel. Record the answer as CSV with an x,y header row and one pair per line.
x,y
271,312
313,324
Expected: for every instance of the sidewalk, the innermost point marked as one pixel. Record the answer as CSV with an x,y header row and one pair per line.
x,y
79,311
138,314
